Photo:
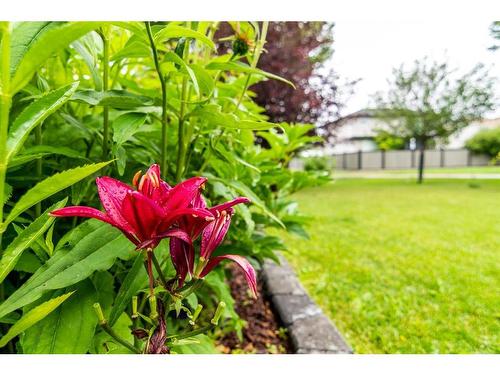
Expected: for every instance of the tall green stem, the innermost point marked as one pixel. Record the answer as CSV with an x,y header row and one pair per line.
x,y
256,56
164,118
105,87
181,150
5,103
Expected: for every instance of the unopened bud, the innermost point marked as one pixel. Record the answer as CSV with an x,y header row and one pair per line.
x,y
196,313
218,313
99,313
134,307
152,306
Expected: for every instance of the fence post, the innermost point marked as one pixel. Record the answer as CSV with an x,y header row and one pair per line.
x,y
412,158
382,159
360,162
441,155
344,161
469,158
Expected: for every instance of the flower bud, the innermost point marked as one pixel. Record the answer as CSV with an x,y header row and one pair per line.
x,y
218,313
99,313
196,314
134,307
153,307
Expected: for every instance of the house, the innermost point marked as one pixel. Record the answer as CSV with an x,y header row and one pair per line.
x,y
356,132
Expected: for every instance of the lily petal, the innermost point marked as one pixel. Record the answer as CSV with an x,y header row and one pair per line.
x,y
112,193
182,254
244,264
90,212
214,233
182,194
143,214
225,206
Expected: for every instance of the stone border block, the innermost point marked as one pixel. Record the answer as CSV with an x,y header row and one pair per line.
x,y
310,330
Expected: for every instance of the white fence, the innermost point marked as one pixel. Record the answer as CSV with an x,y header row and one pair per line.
x,y
408,159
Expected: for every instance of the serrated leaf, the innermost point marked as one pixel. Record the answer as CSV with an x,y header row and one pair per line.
x,y
98,247
126,125
67,330
118,99
33,316
135,280
238,66
172,31
13,252
48,187
212,113
33,45
7,192
34,114
243,189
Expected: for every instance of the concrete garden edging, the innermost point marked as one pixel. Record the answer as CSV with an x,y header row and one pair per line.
x,y
310,330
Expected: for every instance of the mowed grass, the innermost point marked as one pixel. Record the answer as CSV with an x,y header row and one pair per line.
x,y
402,268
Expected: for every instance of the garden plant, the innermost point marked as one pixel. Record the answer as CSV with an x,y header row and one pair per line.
x,y
150,122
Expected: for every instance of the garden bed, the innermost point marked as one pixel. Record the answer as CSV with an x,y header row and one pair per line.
x,y
263,333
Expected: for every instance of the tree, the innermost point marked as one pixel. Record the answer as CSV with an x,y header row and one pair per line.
x,y
296,51
427,104
495,33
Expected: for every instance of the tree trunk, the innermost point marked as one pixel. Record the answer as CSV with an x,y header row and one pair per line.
x,y
421,161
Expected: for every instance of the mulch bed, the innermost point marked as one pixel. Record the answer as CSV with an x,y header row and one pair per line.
x,y
263,333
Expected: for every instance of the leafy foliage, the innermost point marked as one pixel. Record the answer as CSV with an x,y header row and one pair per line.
x,y
119,96
485,142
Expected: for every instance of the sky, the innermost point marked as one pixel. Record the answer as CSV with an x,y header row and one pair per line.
x,y
370,48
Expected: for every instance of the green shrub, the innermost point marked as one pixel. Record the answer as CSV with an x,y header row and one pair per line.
x,y
485,142
318,163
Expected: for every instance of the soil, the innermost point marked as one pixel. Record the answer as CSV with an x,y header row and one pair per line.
x,y
263,333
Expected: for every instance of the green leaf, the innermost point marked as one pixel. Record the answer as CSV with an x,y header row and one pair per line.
x,y
173,57
56,150
33,316
213,114
48,187
13,252
238,66
118,99
67,330
88,48
7,193
134,281
126,125
34,114
174,31
96,249
34,43
243,189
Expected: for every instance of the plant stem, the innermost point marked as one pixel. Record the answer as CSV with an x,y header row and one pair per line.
x,y
105,87
149,253
104,325
158,269
256,56
181,151
164,118
194,332
5,103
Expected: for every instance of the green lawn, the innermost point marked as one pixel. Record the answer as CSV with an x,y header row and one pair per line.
x,y
461,170
402,268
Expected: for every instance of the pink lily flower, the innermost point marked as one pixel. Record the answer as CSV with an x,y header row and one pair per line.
x,y
213,235
146,215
